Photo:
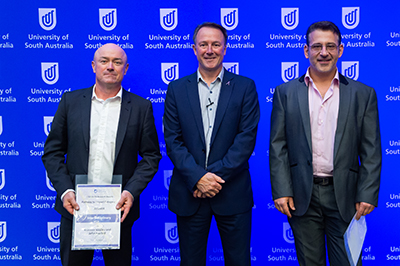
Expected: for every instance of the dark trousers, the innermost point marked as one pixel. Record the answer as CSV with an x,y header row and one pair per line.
x,y
234,230
321,222
115,257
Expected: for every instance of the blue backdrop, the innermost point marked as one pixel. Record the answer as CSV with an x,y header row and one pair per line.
x,y
46,48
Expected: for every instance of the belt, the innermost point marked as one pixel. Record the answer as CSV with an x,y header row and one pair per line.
x,y
323,180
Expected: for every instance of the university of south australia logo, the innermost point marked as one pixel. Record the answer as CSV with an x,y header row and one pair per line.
x,y
108,18
171,233
50,72
53,231
49,184
350,69
290,17
232,67
169,72
288,233
47,121
168,18
3,231
350,17
229,18
289,71
2,178
47,18
167,178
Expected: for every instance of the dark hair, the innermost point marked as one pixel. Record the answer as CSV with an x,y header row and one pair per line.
x,y
324,26
210,25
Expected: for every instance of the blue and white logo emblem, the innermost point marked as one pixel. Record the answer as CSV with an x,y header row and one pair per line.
x,y
1,125
169,72
232,67
350,17
288,233
2,178
108,18
47,121
289,71
171,233
350,69
3,231
49,184
167,178
53,231
50,73
290,17
229,18
47,18
168,18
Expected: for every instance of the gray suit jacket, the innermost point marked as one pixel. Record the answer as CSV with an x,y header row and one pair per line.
x,y
357,148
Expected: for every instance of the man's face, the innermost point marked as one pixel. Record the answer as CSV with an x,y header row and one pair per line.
x,y
210,49
323,52
110,65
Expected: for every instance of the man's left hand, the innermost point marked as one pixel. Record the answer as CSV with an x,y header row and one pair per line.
x,y
125,203
363,209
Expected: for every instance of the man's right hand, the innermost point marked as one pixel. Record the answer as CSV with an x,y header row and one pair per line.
x,y
283,204
69,202
210,184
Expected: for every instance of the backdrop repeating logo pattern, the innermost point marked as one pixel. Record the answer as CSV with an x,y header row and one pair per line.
x,y
49,184
1,125
289,71
290,17
47,121
3,231
2,178
229,18
53,231
47,18
171,233
350,17
169,18
169,72
350,69
108,18
50,72
288,233
232,67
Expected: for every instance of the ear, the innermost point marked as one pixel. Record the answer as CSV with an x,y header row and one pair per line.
x,y
306,50
93,67
194,49
341,48
126,68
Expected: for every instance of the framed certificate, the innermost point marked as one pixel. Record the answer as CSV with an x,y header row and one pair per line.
x,y
97,223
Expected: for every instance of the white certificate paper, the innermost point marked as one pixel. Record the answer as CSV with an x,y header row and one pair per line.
x,y
97,223
354,238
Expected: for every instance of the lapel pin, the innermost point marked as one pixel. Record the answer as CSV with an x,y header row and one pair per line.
x,y
228,83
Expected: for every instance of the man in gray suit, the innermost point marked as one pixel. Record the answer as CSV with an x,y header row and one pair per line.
x,y
325,150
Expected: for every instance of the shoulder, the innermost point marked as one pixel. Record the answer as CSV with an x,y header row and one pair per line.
x,y
291,85
134,98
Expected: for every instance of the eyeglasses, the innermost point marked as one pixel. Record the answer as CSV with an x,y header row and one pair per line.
x,y
316,48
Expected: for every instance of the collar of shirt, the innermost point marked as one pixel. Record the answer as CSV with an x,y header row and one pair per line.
x,y
94,95
309,80
220,76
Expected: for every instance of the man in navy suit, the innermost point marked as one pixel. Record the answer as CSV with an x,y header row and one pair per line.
x,y
102,130
210,127
325,150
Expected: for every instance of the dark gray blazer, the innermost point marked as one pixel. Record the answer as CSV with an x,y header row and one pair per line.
x,y
70,134
357,148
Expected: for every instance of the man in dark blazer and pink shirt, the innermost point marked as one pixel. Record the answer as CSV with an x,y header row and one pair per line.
x,y
325,150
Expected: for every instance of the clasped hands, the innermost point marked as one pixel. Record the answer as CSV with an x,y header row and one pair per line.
x,y
125,203
209,185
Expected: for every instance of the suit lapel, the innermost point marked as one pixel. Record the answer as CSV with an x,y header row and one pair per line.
x,y
344,106
86,107
302,96
194,101
123,121
227,87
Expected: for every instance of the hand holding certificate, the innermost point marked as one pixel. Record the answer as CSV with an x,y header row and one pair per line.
x,y
97,223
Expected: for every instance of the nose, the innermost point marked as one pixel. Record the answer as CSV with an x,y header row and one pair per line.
x,y
110,65
209,49
324,51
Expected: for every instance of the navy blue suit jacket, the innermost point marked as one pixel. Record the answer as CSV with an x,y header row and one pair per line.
x,y
357,147
70,134
232,143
